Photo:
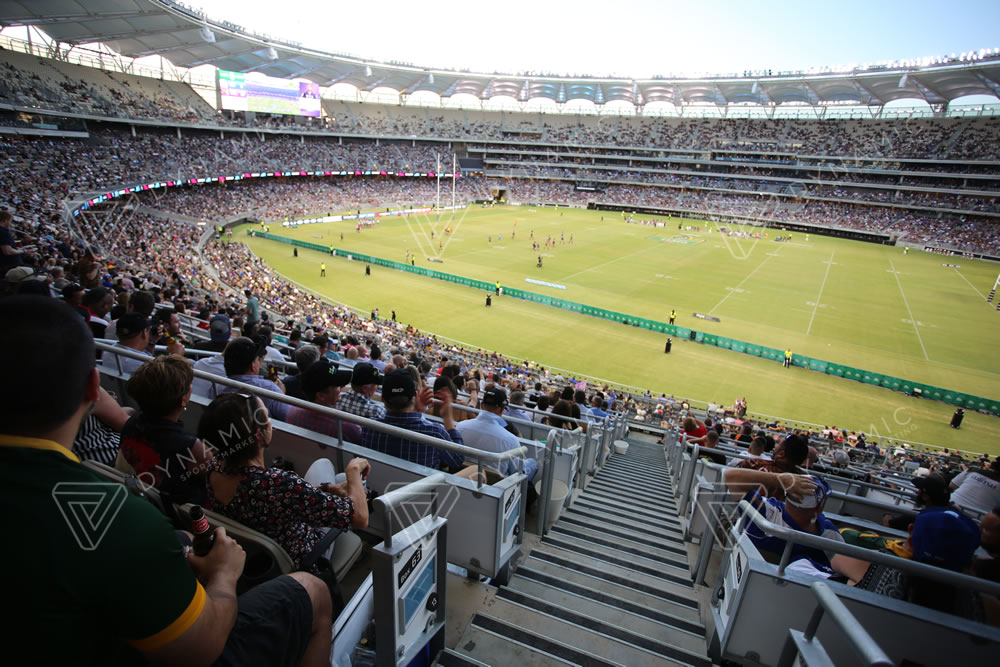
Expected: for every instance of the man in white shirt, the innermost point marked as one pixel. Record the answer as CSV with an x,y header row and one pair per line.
x,y
978,490
487,432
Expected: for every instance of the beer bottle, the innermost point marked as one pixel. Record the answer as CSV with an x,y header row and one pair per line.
x,y
204,532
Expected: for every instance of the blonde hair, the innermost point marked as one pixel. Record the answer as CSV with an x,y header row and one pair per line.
x,y
160,384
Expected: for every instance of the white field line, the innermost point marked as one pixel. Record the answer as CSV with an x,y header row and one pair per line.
x,y
733,291
821,287
906,303
599,266
416,238
983,296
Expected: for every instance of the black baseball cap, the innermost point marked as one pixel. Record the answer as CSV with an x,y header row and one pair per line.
x,y
323,374
494,396
397,383
131,324
935,487
365,373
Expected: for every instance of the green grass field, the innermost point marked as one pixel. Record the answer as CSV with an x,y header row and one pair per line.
x,y
855,303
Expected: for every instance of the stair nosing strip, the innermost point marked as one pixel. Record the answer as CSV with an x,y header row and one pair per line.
x,y
582,500
629,483
640,569
608,544
616,489
640,539
587,659
637,476
696,629
624,636
639,510
607,493
588,512
579,568
461,657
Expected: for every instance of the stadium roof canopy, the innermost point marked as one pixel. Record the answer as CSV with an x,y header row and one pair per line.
x,y
187,38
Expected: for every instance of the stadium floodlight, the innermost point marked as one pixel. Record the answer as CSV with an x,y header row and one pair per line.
x,y
271,53
207,34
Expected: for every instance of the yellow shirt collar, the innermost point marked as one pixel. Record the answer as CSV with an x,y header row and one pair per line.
x,y
37,443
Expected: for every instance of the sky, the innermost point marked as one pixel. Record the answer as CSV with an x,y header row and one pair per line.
x,y
632,38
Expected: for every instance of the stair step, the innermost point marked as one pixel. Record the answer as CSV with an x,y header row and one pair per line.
x,y
662,507
670,543
592,505
654,594
452,658
497,642
634,507
619,484
636,464
634,480
606,640
679,576
640,526
639,557
611,609
605,486
665,554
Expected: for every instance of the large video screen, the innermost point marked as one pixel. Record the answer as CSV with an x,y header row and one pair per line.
x,y
265,94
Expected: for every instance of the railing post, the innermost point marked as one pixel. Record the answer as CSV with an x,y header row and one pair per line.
x,y
688,481
707,545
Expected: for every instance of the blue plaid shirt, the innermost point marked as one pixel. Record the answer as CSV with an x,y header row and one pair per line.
x,y
417,452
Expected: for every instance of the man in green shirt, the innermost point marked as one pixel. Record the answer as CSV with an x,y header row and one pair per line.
x,y
98,575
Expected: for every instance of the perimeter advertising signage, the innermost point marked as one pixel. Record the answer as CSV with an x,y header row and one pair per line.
x,y
265,94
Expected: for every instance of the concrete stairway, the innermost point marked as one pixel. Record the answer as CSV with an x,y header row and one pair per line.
x,y
608,585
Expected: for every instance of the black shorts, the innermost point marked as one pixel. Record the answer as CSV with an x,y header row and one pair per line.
x,y
272,627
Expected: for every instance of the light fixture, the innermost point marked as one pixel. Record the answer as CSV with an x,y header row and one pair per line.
x,y
368,70
271,53
207,35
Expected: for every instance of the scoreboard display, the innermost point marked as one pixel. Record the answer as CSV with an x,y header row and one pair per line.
x,y
265,94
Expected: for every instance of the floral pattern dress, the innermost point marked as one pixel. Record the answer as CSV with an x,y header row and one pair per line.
x,y
283,506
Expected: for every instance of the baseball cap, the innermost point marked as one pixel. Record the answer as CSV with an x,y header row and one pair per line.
x,y
365,373
131,324
323,374
934,486
841,457
945,537
397,383
220,328
18,274
814,499
495,396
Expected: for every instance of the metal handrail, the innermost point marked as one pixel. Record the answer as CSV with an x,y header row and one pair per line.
x,y
866,647
471,452
791,537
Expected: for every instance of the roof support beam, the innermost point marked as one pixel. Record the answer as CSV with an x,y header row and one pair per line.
x,y
76,18
925,88
989,83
